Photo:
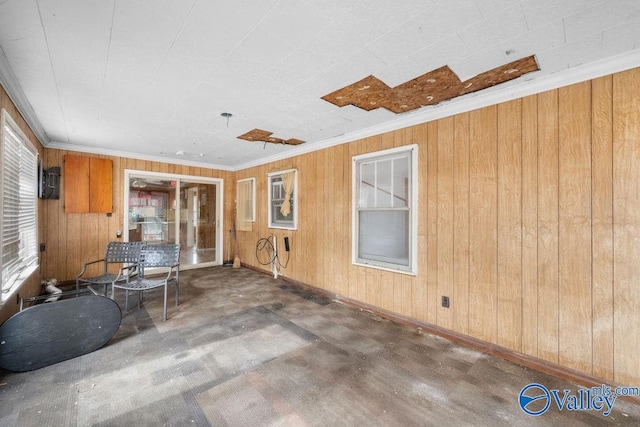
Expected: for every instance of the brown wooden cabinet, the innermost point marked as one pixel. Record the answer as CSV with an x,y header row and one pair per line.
x,y
88,185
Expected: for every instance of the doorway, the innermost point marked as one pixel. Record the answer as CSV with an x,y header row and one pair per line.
x,y
166,208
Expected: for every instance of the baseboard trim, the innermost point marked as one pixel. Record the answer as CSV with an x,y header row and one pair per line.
x,y
561,372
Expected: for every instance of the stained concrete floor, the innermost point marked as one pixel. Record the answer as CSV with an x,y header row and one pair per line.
x,y
243,349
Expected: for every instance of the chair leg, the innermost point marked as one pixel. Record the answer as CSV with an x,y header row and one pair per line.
x,y
177,294
164,313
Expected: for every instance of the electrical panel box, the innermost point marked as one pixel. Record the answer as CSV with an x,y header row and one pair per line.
x,y
50,183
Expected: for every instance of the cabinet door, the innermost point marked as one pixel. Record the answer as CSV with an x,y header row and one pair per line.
x,y
76,184
100,185
88,185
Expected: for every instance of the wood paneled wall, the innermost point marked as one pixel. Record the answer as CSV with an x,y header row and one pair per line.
x,y
32,286
74,238
529,220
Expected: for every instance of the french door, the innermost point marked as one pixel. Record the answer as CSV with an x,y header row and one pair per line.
x,y
176,209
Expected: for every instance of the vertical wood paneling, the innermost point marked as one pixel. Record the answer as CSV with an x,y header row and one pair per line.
x,y
432,222
88,233
331,211
419,291
510,225
460,302
574,238
310,177
396,304
530,225
74,247
55,247
548,226
59,270
483,224
445,219
345,218
602,228
406,293
352,150
116,221
626,205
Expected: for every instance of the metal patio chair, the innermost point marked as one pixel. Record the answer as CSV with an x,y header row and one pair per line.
x,y
125,254
162,255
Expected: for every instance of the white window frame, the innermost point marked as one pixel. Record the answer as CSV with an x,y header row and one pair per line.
x,y
28,187
388,265
253,197
289,225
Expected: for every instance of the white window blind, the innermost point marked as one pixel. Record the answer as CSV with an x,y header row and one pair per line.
x,y
19,183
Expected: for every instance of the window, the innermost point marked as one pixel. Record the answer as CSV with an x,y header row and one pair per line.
x,y
282,199
19,179
245,204
385,217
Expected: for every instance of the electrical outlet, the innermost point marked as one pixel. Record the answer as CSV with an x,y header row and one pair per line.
x,y
445,301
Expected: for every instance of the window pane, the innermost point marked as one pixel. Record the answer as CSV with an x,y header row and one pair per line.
x,y
277,189
277,217
384,177
401,182
367,185
384,236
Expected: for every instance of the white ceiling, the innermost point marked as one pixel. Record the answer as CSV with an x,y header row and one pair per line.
x,y
149,78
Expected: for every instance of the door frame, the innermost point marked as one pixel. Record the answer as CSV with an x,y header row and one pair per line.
x,y
218,182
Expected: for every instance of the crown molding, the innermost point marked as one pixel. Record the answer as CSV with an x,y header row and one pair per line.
x,y
130,155
14,91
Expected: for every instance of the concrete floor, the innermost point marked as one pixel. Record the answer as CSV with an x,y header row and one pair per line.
x,y
243,349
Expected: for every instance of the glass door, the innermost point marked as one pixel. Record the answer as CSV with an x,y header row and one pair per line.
x,y
175,209
198,222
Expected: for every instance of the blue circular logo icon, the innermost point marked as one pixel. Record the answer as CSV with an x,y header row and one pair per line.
x,y
534,399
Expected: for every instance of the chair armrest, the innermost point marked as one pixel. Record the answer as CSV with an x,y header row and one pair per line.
x,y
132,271
85,265
172,271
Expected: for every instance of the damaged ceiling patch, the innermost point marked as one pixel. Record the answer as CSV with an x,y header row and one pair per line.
x,y
431,88
265,136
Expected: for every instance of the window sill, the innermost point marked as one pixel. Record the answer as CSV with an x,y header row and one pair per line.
x,y
408,272
282,227
19,283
